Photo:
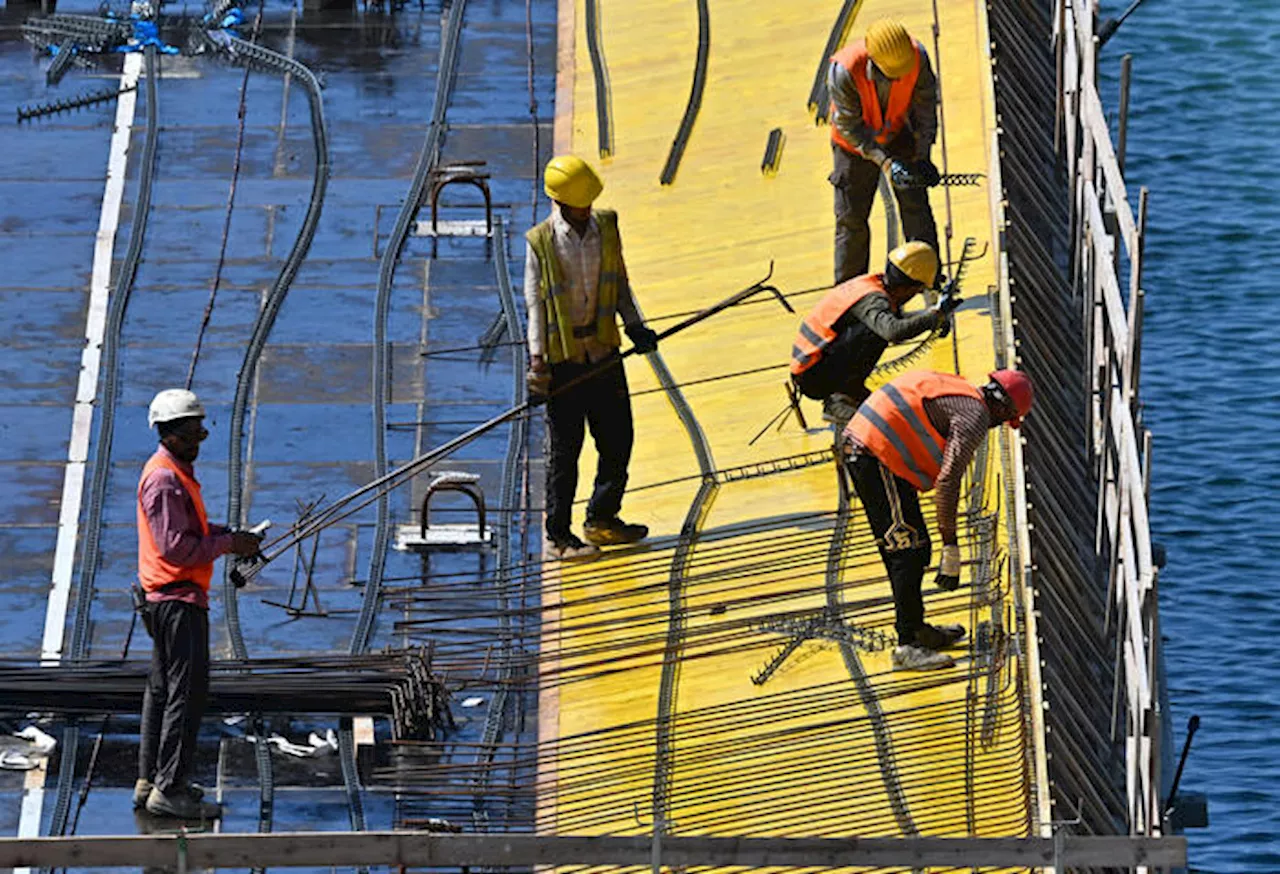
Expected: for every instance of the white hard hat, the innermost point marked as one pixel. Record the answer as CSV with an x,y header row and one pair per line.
x,y
174,403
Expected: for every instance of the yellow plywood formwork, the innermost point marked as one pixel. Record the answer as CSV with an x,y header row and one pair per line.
x,y
650,710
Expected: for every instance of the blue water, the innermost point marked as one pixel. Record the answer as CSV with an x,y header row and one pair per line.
x,y
1204,136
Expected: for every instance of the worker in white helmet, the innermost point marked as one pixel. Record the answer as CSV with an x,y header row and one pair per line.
x,y
176,550
575,290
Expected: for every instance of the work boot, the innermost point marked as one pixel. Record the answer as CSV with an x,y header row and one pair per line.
x,y
142,788
180,803
838,409
569,548
916,658
937,637
612,532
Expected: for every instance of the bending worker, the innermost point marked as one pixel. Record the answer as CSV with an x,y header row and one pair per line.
x,y
842,339
884,117
575,287
916,433
176,550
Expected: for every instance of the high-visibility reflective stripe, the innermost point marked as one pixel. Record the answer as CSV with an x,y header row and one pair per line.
x,y
921,481
798,354
810,335
914,421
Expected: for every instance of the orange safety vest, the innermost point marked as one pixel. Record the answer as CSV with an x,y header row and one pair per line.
x,y
893,426
854,58
818,328
154,571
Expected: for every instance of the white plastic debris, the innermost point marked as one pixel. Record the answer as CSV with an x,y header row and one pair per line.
x,y
11,761
315,745
43,743
472,702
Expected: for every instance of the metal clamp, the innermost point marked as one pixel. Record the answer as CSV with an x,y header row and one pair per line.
x,y
467,484
463,172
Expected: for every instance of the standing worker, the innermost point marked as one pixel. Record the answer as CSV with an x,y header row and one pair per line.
x,y
575,287
916,433
176,550
842,339
884,117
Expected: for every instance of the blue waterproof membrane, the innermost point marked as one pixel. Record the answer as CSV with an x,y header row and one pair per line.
x,y
310,432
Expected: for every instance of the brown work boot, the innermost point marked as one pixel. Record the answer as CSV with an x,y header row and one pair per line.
x,y
181,803
938,637
613,532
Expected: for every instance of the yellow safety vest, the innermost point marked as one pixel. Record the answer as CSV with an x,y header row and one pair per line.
x,y
562,345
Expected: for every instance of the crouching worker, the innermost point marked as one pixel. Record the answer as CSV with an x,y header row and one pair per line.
x,y
840,342
917,433
575,288
176,550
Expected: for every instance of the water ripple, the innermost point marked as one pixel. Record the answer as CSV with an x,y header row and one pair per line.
x,y
1204,136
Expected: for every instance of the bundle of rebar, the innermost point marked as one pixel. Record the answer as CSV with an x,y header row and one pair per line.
x,y
398,685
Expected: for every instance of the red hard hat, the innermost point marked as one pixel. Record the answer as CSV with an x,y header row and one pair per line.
x,y
1017,386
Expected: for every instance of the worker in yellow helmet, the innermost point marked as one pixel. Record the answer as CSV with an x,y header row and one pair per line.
x,y
841,340
575,288
884,118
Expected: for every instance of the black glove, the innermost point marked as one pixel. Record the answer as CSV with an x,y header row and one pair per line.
x,y
644,338
949,568
926,172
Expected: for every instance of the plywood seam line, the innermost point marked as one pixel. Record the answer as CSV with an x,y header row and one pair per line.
x,y
102,456
96,330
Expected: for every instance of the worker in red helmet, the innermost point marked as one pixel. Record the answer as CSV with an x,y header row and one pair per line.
x,y
919,432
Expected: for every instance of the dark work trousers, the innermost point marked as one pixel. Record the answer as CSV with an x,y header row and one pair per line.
x,y
603,403
856,180
893,512
177,690
845,365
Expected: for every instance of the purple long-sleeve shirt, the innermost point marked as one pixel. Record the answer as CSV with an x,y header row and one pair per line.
x,y
175,527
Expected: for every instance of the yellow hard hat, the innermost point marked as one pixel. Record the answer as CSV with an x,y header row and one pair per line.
x,y
571,181
917,260
891,48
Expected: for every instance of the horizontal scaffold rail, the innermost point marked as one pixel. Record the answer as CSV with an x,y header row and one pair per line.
x,y
421,849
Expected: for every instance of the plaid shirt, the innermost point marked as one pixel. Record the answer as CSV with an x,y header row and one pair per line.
x,y
579,257
964,422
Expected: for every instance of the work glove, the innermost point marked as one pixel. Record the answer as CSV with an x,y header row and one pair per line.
x,y
538,380
644,338
245,544
900,174
948,303
925,171
949,568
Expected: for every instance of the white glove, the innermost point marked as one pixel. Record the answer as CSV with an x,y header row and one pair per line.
x,y
949,568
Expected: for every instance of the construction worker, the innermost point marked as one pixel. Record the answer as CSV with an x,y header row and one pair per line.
x,y
575,288
884,118
842,339
919,432
176,550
